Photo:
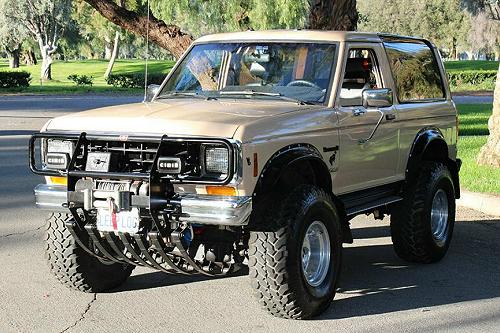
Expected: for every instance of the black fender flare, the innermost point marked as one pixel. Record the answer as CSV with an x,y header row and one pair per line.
x,y
427,142
275,168
285,158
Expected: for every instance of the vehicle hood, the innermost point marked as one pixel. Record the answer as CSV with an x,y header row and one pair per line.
x,y
174,117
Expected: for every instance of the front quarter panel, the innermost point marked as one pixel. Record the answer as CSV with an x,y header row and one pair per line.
x,y
316,127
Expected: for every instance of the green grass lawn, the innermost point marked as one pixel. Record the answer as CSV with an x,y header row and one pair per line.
x,y
94,68
473,135
470,65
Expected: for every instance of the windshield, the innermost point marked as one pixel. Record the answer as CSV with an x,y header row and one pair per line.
x,y
298,71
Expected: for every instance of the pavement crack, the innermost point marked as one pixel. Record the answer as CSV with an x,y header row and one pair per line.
x,y
23,232
82,315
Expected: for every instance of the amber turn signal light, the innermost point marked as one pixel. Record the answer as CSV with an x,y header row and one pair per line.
x,y
221,190
58,181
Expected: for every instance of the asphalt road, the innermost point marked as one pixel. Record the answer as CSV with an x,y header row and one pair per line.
x,y
379,292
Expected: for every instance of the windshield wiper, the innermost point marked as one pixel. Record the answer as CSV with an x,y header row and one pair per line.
x,y
181,93
263,93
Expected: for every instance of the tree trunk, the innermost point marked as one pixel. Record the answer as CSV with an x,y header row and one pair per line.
x,y
333,15
108,48
454,49
29,57
490,152
14,57
46,70
169,37
113,56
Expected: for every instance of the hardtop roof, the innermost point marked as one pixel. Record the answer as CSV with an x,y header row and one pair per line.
x,y
300,35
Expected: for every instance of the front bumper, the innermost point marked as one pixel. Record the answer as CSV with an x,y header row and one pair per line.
x,y
199,209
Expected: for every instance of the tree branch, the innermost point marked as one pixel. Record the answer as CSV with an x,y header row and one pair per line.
x,y
167,36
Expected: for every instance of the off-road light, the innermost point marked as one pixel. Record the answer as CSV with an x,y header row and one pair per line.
x,y
216,160
57,161
171,165
60,146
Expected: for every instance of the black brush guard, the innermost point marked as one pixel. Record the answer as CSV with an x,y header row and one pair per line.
x,y
160,248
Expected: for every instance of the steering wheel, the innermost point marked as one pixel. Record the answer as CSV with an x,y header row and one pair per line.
x,y
298,83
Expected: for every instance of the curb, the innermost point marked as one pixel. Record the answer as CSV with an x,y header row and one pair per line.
x,y
485,203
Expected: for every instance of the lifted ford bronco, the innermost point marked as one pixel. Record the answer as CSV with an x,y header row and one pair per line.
x,y
257,150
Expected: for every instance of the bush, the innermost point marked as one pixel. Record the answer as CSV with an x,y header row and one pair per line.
x,y
81,80
133,80
472,77
14,79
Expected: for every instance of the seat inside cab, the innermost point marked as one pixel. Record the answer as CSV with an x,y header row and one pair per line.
x,y
359,75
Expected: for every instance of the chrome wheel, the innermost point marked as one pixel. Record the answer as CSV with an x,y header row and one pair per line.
x,y
439,217
316,253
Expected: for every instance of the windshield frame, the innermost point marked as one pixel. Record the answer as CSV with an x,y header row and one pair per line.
x,y
327,98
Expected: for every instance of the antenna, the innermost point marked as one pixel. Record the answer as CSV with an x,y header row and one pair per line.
x,y
147,58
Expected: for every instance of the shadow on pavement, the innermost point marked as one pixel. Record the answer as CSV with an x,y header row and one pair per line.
x,y
157,279
375,281
378,282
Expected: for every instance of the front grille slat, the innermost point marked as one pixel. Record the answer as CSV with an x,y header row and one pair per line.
x,y
130,156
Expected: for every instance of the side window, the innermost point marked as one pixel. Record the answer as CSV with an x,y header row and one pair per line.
x,y
415,70
361,72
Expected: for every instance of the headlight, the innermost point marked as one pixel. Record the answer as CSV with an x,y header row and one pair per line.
x,y
60,146
216,160
57,153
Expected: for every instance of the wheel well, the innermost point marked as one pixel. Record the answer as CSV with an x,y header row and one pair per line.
x,y
436,150
432,147
287,169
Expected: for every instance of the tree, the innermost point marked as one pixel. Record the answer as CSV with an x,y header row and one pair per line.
x,y
12,34
490,152
333,15
45,20
94,27
484,35
442,21
218,15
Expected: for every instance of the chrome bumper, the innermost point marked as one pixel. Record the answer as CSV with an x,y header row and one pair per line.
x,y
218,210
51,197
199,209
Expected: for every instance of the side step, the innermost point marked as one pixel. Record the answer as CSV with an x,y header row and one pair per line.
x,y
369,199
371,205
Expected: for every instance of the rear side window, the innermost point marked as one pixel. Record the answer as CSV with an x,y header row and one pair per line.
x,y
415,70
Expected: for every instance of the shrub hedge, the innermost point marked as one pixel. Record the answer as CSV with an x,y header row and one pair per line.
x,y
133,80
81,80
471,77
14,79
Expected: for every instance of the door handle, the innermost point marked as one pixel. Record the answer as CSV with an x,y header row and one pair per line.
x,y
390,116
358,112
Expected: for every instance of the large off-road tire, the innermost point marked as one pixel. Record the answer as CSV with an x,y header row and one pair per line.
x,y
277,255
73,266
422,224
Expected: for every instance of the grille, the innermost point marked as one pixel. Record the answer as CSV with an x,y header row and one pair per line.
x,y
139,156
128,156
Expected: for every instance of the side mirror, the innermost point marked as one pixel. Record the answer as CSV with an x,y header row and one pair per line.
x,y
377,98
151,92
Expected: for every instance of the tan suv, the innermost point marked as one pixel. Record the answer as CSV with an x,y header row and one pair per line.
x,y
257,150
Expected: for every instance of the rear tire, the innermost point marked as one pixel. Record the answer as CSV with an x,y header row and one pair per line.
x,y
422,224
73,266
293,278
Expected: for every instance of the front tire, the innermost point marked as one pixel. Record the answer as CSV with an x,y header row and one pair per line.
x,y
422,224
73,266
295,264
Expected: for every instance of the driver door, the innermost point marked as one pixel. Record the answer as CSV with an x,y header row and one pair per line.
x,y
369,138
